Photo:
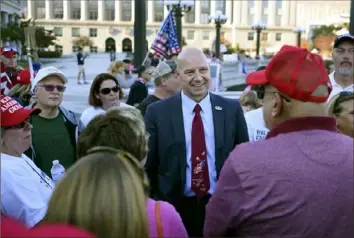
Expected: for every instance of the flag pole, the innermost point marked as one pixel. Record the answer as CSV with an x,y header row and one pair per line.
x,y
164,22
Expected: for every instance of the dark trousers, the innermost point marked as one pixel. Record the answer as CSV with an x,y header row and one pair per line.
x,y
192,212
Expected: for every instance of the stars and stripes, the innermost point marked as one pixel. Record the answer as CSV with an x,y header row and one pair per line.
x,y
166,41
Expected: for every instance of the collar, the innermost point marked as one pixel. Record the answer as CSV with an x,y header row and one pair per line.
x,y
304,124
189,103
335,84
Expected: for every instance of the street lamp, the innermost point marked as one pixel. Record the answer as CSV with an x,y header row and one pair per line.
x,y
258,27
298,31
139,32
219,19
178,8
351,24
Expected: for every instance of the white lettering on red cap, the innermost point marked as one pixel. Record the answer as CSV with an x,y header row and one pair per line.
x,y
9,104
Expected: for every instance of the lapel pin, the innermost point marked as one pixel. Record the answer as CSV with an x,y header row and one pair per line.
x,y
218,108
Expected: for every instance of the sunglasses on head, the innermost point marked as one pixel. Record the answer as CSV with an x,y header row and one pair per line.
x,y
51,87
106,91
7,49
139,168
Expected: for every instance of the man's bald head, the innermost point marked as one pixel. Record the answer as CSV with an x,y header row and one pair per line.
x,y
190,54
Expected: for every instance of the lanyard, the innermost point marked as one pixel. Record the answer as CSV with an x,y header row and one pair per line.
x,y
42,178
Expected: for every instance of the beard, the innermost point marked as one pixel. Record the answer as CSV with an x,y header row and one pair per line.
x,y
345,72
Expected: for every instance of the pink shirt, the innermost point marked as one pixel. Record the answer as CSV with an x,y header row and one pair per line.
x,y
172,225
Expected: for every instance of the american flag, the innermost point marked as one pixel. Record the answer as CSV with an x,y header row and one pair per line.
x,y
166,41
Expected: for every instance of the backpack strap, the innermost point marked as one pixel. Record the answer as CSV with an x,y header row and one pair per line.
x,y
158,220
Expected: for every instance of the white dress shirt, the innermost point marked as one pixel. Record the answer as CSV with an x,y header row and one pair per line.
x,y
337,88
208,125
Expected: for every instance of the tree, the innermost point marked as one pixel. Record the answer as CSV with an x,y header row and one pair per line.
x,y
323,38
82,42
13,32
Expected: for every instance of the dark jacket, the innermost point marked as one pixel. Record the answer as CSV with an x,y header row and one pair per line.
x,y
73,124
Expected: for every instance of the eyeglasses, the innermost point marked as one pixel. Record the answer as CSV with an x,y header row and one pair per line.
x,y
106,91
51,87
139,168
261,95
26,125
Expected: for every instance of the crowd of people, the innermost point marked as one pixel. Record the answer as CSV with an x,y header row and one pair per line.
x,y
182,162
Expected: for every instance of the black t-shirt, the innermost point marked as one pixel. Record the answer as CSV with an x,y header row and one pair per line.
x,y
146,102
138,92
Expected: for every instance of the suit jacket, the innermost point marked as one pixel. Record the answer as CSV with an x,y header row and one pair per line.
x,y
166,162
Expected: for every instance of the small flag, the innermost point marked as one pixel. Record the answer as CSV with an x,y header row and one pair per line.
x,y
166,41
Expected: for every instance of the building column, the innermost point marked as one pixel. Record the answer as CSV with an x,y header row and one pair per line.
x,y
228,12
48,9
244,12
151,11
83,10
285,13
116,10
30,9
272,11
66,10
257,11
133,11
197,12
237,13
101,10
293,13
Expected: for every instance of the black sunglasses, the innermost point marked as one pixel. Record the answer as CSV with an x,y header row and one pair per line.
x,y
51,87
106,91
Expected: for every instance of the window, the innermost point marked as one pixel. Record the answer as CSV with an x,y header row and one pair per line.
x,y
264,36
75,49
250,17
250,4
264,4
221,6
126,11
75,32
278,36
158,11
205,35
204,12
92,8
190,16
39,7
58,9
109,10
58,31
279,4
59,48
93,32
265,19
277,20
190,35
250,36
75,6
93,49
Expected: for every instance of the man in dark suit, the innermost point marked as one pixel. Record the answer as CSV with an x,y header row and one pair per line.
x,y
191,136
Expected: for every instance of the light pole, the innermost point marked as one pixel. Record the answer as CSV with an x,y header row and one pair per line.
x,y
298,31
219,19
351,24
139,32
258,27
178,8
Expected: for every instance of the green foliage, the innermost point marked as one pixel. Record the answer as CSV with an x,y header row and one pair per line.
x,y
13,32
82,42
329,30
49,54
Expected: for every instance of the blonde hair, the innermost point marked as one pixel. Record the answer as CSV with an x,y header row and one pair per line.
x,y
114,66
102,193
21,91
250,99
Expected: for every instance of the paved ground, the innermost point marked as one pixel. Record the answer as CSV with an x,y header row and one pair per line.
x,y
76,96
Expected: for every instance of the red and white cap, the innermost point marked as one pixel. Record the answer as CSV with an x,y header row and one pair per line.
x,y
24,77
8,51
13,113
296,73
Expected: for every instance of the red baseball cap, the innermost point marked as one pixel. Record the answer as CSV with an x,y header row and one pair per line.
x,y
24,77
296,73
8,51
13,228
12,113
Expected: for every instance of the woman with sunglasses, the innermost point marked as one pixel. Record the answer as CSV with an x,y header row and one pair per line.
x,y
341,106
25,189
105,93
